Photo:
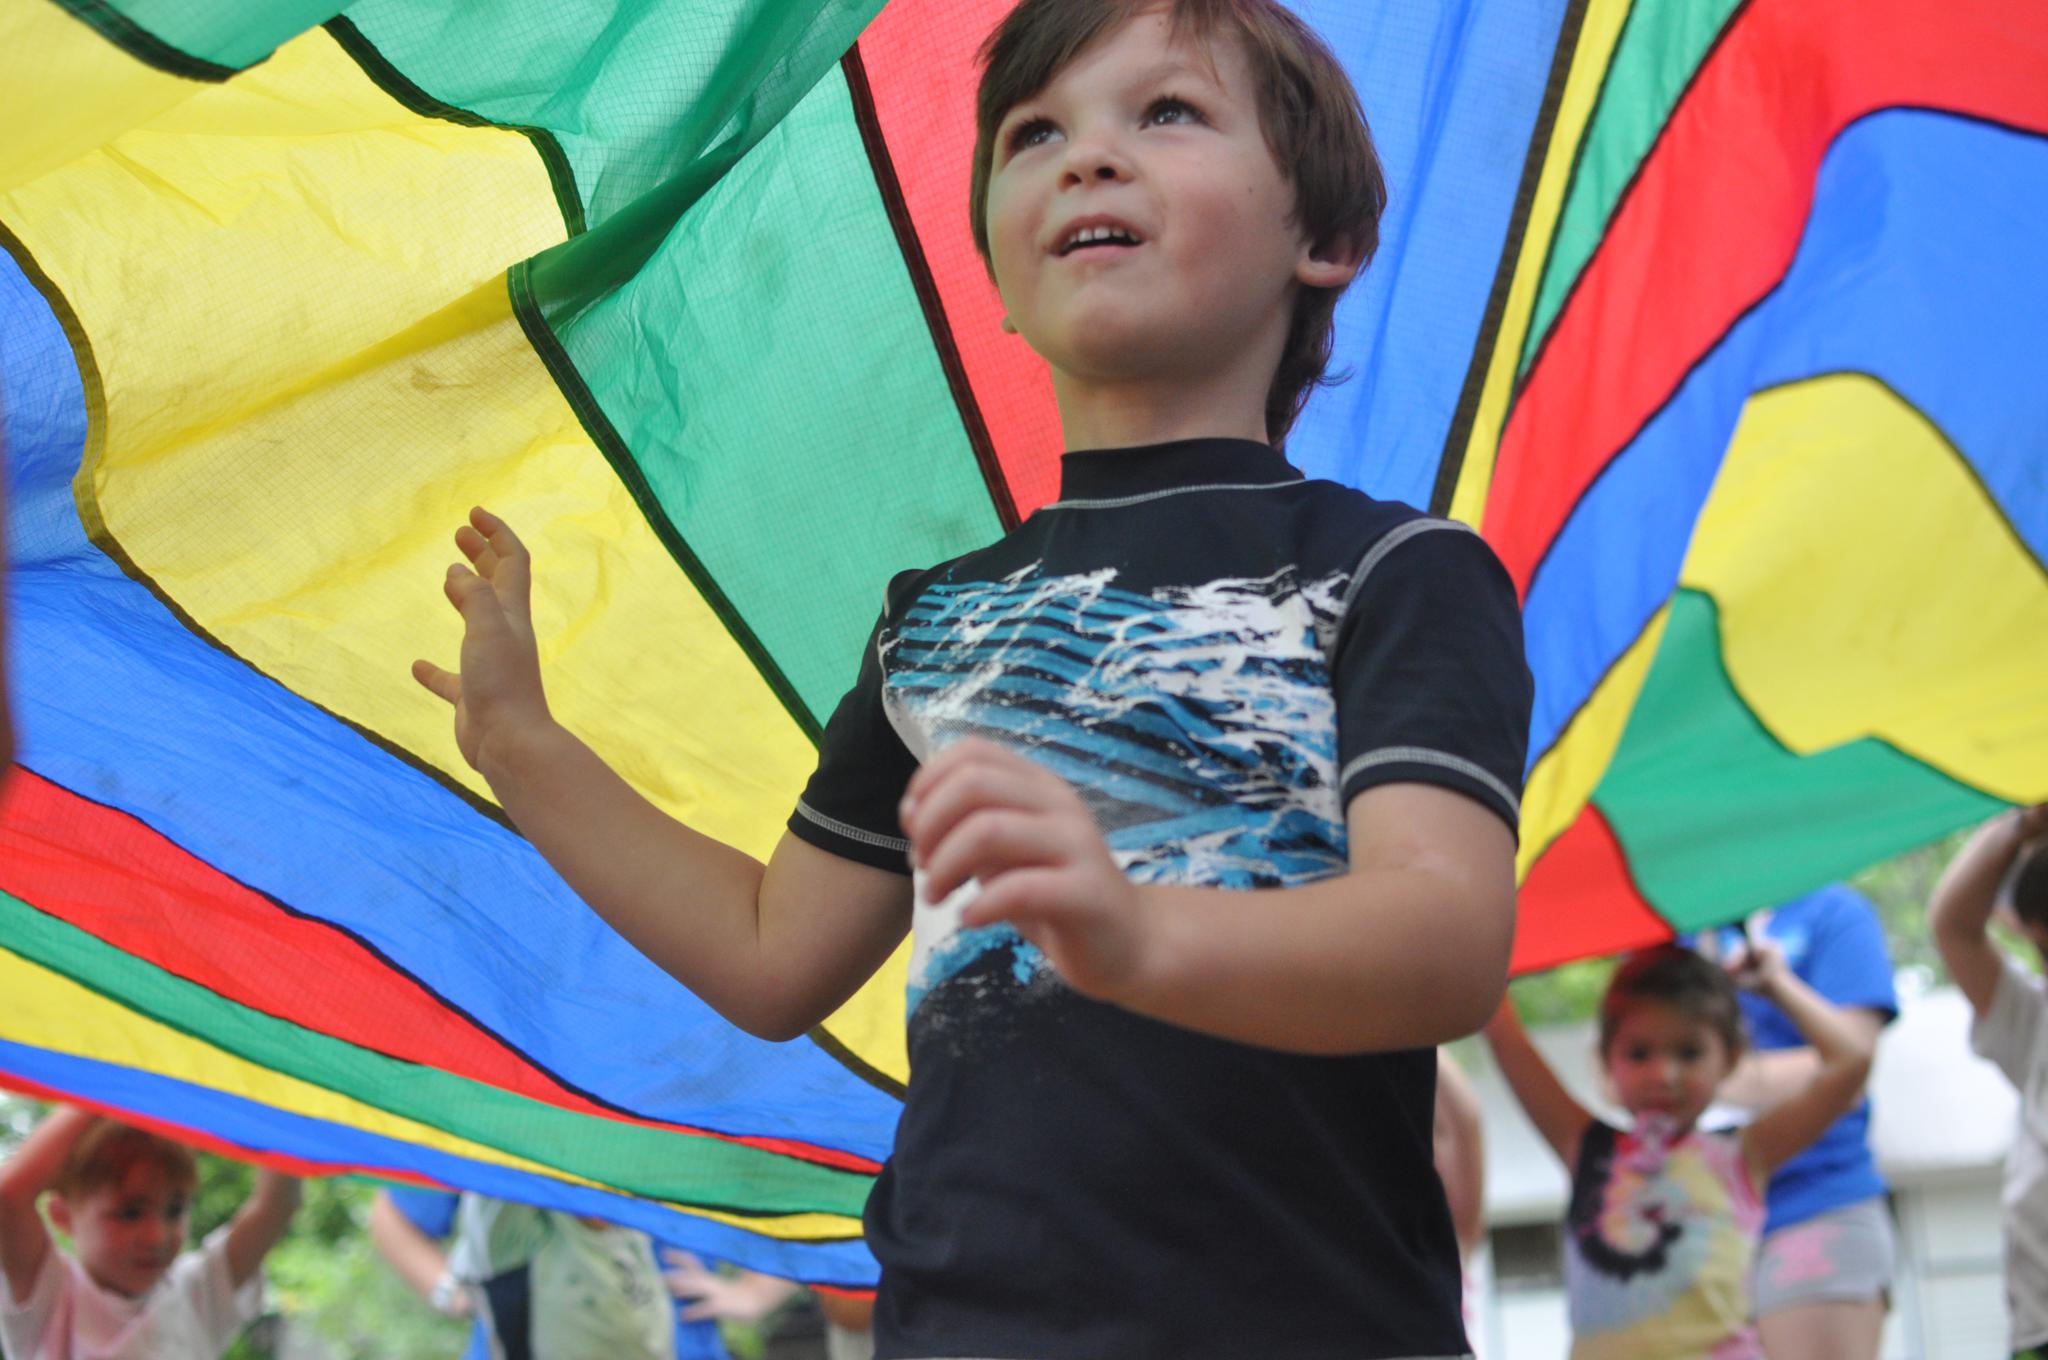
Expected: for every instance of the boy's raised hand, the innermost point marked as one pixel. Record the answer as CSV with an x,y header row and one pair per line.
x,y
497,687
978,811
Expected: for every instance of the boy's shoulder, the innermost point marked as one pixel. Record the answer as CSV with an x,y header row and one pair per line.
x,y
1321,526
1350,523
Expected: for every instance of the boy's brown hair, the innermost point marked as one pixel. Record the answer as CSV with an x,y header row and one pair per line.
x,y
109,1150
1672,975
1308,112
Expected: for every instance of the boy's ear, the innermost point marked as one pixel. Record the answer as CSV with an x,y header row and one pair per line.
x,y
60,1213
1332,263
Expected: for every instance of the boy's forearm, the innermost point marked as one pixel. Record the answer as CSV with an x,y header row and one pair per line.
x,y
1373,961
685,900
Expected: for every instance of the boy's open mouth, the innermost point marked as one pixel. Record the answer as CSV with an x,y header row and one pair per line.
x,y
1096,236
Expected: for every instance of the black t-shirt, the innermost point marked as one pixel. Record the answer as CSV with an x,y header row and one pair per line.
x,y
1219,655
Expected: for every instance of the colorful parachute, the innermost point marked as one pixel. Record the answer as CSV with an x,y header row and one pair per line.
x,y
1721,319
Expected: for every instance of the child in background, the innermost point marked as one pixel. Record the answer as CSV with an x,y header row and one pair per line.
x,y
594,1291
131,1292
2004,869
407,1227
1664,1218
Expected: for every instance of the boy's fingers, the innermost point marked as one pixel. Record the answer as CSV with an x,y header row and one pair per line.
x,y
1026,896
968,752
512,577
446,684
463,586
511,566
473,544
946,804
488,524
988,843
475,598
987,776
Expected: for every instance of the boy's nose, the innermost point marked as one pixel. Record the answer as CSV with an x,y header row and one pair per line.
x,y
1094,159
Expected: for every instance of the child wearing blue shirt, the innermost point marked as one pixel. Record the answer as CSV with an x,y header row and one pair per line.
x,y
407,1224
1197,792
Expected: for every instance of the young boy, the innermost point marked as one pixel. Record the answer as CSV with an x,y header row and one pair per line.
x,y
2005,867
1206,774
132,1292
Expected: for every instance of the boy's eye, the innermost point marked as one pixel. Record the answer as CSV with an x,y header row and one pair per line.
x,y
1172,109
1029,133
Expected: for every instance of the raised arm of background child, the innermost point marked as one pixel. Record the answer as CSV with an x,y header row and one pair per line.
x,y
1963,899
1843,1046
24,1241
1554,1111
260,1223
774,948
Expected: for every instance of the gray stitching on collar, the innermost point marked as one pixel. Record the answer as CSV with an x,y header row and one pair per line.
x,y
1389,541
1422,755
852,833
1170,491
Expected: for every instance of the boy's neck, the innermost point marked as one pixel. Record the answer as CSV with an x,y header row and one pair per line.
x,y
1121,415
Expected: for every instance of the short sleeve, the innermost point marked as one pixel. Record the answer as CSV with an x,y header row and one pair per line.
x,y
206,1287
1430,679
431,1211
2009,1032
1847,962
849,806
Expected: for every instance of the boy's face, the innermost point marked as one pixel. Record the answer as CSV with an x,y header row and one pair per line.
x,y
128,1232
1154,144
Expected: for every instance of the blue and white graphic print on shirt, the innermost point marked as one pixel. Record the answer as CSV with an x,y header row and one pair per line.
x,y
1197,723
